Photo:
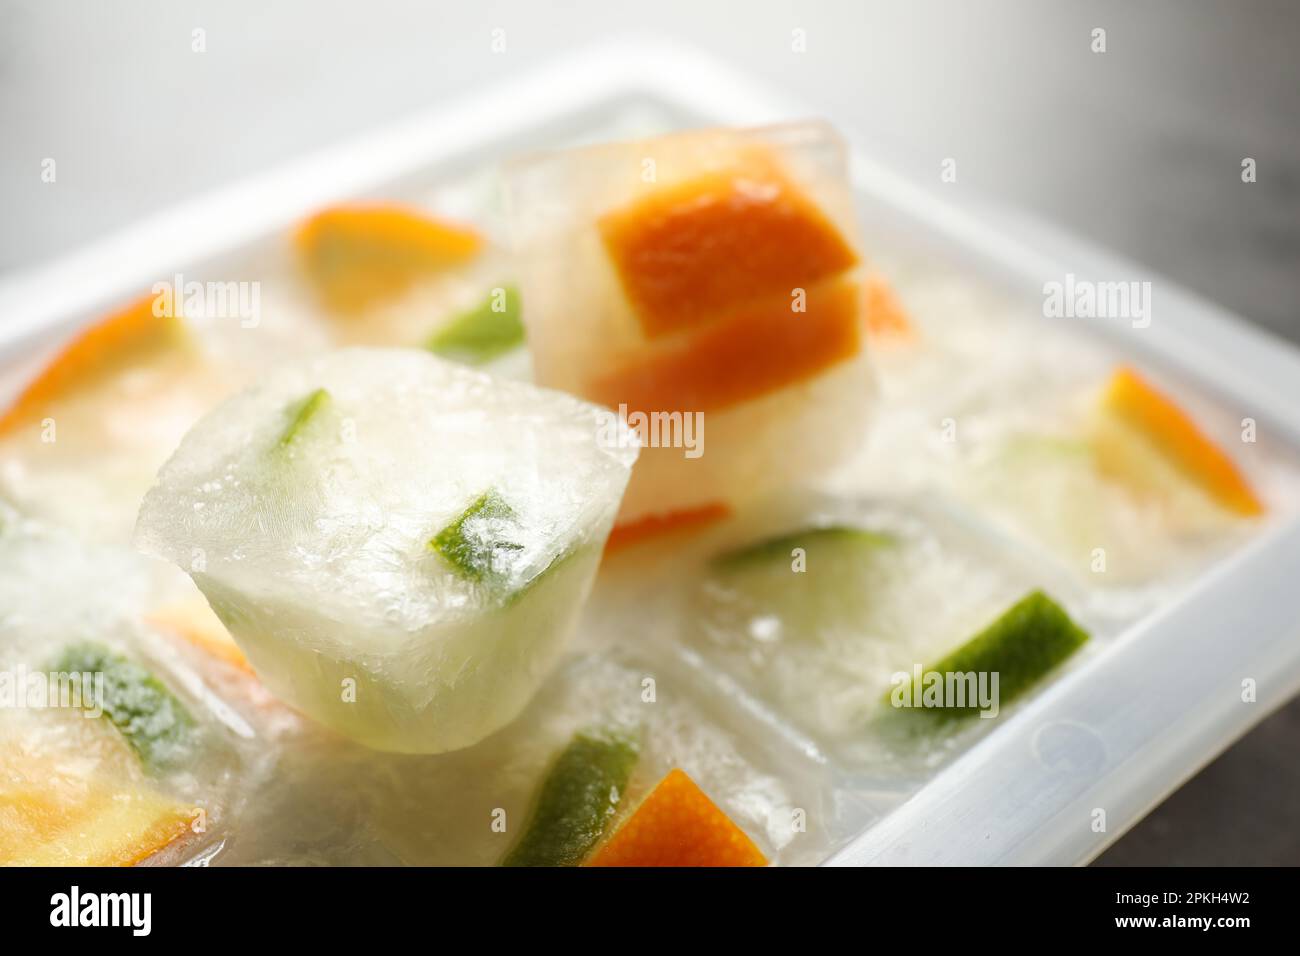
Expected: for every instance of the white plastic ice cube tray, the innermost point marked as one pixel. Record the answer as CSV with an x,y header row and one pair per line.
x,y
1117,732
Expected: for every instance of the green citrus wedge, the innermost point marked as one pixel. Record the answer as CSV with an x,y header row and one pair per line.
x,y
483,333
138,704
577,800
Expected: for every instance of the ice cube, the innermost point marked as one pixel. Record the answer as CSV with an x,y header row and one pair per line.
x,y
83,441
105,728
400,545
705,285
1044,462
816,618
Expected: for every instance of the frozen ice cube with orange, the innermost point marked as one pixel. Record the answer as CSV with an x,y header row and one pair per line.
x,y
707,287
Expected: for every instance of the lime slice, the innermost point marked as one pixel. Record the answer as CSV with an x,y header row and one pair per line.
x,y
300,415
140,706
1029,447
577,800
832,542
808,583
478,544
492,328
1023,645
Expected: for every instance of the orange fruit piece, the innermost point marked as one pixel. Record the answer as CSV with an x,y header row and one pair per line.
x,y
651,526
752,351
357,256
678,825
1172,432
105,825
80,803
126,338
195,622
688,251
886,317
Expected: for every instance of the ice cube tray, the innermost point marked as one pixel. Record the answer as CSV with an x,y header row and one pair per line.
x,y
1159,692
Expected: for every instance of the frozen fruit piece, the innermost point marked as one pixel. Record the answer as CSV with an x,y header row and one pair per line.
x,y
678,825
55,813
693,250
115,742
140,706
1075,486
1033,446
757,349
816,625
131,337
830,543
1028,641
301,414
805,583
479,542
89,434
194,621
326,576
360,255
577,799
483,333
654,526
886,317
1168,428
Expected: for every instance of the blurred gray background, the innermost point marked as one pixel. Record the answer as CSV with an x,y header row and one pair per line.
x,y
1139,149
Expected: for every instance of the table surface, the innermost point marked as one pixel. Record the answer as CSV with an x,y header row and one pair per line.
x,y
1138,148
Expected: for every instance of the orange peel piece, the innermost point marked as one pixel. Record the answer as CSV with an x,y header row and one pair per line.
x,y
358,256
678,825
635,532
688,251
757,349
124,339
1170,430
886,316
